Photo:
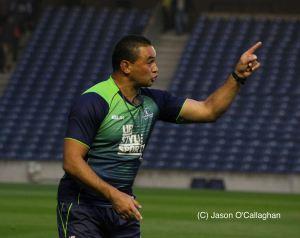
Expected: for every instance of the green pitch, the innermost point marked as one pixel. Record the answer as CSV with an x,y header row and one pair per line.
x,y
28,211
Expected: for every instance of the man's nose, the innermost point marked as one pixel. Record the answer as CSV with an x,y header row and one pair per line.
x,y
155,68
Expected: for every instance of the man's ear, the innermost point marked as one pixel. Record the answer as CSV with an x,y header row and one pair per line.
x,y
125,66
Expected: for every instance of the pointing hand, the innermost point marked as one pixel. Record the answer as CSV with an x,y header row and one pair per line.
x,y
248,62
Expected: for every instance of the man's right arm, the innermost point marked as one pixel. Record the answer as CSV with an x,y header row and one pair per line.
x,y
75,165
85,117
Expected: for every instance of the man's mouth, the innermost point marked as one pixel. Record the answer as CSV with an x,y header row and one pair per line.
x,y
154,78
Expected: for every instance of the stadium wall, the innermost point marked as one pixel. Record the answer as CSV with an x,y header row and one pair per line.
x,y
49,172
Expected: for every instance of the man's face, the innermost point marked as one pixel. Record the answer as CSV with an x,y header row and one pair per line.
x,y
144,70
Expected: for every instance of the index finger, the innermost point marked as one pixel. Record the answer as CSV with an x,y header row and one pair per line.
x,y
137,214
254,47
137,204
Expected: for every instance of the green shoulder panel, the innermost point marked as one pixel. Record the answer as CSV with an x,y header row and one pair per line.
x,y
106,89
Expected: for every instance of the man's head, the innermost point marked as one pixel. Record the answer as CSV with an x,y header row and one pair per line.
x,y
135,57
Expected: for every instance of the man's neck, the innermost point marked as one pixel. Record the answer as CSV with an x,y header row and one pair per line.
x,y
127,88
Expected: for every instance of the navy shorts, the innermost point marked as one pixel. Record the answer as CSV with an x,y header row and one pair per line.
x,y
84,221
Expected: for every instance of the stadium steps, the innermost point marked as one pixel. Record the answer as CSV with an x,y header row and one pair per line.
x,y
169,49
4,79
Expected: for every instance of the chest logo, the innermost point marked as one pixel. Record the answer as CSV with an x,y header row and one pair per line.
x,y
117,117
147,114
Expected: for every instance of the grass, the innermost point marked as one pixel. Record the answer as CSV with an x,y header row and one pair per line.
x,y
28,211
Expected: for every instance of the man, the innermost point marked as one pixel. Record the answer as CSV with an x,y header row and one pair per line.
x,y
108,129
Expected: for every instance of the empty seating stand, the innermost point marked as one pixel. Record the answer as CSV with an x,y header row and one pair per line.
x,y
261,130
69,51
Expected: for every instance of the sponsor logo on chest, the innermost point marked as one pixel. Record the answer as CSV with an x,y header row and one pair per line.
x,y
132,143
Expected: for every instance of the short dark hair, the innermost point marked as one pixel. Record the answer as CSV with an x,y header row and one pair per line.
x,y
126,49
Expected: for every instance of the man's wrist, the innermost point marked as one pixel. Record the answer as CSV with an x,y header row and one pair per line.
x,y
240,80
109,192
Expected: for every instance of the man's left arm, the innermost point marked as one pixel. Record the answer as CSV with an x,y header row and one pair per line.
x,y
219,101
